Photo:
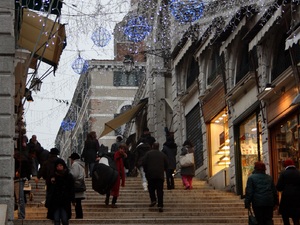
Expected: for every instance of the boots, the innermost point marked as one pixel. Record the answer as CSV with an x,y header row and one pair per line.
x,y
113,203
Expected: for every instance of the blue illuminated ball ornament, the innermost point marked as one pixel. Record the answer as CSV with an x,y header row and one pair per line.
x,y
80,65
67,125
101,37
186,10
137,29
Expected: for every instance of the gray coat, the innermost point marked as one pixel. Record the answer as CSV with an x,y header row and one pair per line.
x,y
78,173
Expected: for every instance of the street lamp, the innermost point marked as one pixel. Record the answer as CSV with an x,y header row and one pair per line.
x,y
128,63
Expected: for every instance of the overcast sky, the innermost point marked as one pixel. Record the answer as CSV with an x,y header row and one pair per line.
x,y
44,115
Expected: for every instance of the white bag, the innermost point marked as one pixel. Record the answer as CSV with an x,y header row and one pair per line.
x,y
186,160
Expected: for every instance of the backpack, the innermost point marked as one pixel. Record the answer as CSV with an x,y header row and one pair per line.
x,y
104,176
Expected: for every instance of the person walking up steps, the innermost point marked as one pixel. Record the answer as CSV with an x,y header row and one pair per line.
x,y
289,184
261,194
78,173
118,158
155,164
170,149
89,153
187,173
61,194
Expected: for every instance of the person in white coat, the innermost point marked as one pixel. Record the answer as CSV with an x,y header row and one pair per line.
x,y
78,172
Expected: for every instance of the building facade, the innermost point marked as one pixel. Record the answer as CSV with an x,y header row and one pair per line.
x,y
102,93
213,89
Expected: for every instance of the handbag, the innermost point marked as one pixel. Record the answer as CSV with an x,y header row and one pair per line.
x,y
79,186
186,160
251,218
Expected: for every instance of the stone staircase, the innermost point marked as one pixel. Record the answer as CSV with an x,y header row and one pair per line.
x,y
201,205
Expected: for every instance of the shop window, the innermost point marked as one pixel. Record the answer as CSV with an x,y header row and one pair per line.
x,y
285,143
249,145
219,142
194,133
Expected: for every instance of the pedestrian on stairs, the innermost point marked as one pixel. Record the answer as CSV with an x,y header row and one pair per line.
x,y
78,172
289,184
60,195
170,149
89,153
155,164
119,157
262,194
187,173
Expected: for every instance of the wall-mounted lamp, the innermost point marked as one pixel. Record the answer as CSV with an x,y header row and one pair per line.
x,y
296,100
28,95
36,84
269,87
128,63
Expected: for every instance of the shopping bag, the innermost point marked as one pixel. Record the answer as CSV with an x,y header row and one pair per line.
x,y
186,160
251,218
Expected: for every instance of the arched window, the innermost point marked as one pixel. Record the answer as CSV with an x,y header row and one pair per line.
x,y
119,130
243,64
215,66
192,74
281,60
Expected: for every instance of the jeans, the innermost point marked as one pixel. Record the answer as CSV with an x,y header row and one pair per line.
x,y
91,167
60,214
20,197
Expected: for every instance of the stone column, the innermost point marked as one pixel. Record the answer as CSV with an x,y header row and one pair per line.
x,y
7,122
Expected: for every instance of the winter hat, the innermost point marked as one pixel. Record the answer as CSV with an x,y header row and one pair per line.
x,y
74,156
60,161
54,151
259,166
288,162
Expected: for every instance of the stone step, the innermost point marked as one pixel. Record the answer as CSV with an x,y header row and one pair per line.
x,y
156,220
201,205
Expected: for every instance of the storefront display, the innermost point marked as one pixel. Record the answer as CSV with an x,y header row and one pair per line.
x,y
219,142
249,142
285,143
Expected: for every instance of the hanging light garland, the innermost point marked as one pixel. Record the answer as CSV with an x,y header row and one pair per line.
x,y
137,29
67,125
101,37
80,65
186,11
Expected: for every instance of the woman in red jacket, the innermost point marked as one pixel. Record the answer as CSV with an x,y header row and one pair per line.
x,y
118,158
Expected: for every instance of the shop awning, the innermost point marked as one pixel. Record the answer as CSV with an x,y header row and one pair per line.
x,y
42,36
233,35
50,6
123,118
292,39
265,28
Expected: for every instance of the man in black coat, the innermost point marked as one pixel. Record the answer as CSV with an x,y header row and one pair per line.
x,y
289,184
155,163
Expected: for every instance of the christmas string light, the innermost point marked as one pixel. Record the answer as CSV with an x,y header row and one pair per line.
x,y
186,10
80,65
137,29
101,37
